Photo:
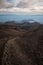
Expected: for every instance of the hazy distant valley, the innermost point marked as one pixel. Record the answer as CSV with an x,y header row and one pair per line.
x,y
21,43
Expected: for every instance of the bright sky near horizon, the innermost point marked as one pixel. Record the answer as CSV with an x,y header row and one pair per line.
x,y
21,6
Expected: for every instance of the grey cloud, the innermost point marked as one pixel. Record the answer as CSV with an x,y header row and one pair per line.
x,y
23,4
29,3
2,3
20,3
15,2
5,4
26,3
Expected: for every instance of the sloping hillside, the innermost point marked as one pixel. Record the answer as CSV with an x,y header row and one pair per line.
x,y
21,46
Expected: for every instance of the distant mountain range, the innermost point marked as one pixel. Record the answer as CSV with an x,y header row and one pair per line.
x,y
25,24
21,22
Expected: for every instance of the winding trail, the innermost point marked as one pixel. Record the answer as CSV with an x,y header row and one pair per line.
x,y
12,51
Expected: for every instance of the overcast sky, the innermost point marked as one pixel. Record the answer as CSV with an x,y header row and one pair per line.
x,y
21,5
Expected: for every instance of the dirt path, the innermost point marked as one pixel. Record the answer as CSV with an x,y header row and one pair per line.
x,y
12,51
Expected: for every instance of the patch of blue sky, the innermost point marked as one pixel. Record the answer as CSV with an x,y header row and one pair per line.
x,y
9,1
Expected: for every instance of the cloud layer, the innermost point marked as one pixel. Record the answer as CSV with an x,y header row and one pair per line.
x,y
4,4
21,6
